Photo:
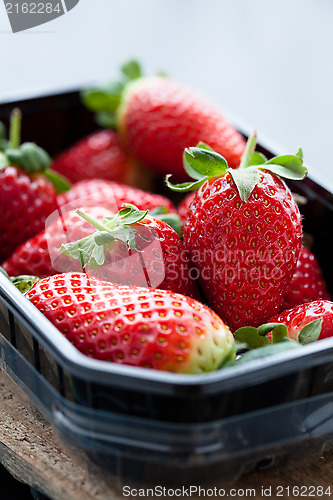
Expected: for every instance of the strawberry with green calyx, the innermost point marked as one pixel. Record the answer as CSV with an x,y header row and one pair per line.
x,y
41,256
23,283
28,190
307,283
243,230
157,118
301,318
135,326
272,333
133,248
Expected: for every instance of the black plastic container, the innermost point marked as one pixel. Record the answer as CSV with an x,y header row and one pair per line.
x,y
187,427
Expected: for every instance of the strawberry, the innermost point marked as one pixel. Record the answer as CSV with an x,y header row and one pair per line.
x,y
157,118
112,195
299,317
132,325
133,248
97,156
27,190
184,207
243,230
40,255
307,283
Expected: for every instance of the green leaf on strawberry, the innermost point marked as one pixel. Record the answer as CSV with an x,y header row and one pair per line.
x,y
246,181
106,100
256,337
287,166
258,158
90,250
310,332
184,187
30,157
202,164
250,336
131,69
300,153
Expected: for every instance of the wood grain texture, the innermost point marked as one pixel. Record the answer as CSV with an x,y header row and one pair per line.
x,y
33,453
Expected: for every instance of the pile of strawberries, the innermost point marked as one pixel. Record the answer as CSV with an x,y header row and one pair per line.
x,y
126,277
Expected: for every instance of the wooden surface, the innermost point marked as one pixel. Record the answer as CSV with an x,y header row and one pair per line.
x,y
33,453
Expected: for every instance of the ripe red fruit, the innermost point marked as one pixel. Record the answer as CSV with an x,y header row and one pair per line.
x,y
112,195
244,232
40,255
97,156
27,189
25,202
298,317
157,118
132,325
307,283
133,248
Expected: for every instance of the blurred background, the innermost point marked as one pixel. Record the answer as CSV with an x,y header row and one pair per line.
x,y
266,63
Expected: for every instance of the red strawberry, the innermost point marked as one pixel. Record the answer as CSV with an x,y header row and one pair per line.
x,y
112,195
40,256
134,326
184,207
300,316
27,197
132,248
157,118
244,232
307,283
97,156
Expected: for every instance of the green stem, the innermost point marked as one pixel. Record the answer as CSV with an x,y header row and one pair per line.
x,y
92,221
15,129
249,150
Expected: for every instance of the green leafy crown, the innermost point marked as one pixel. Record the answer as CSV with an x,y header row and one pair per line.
x,y
90,250
105,100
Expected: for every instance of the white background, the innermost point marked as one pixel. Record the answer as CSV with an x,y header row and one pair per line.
x,y
267,63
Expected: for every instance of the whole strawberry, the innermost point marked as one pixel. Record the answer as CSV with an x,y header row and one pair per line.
x,y
132,325
133,248
157,118
40,255
112,195
97,156
307,283
243,230
28,190
299,317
